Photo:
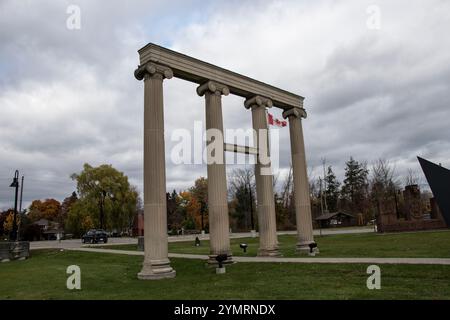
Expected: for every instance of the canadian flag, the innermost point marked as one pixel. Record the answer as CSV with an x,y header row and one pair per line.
x,y
275,122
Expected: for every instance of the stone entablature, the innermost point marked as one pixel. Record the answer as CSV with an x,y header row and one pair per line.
x,y
194,70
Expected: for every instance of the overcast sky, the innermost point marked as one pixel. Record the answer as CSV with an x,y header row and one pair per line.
x,y
373,88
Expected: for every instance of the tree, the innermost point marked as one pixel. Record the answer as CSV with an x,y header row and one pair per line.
x,y
412,178
31,232
87,223
200,192
3,216
241,208
332,190
354,189
281,213
242,192
65,207
9,220
384,187
76,216
288,188
191,208
49,209
175,217
105,196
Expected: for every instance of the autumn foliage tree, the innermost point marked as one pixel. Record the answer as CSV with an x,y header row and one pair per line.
x,y
48,209
7,221
191,206
200,192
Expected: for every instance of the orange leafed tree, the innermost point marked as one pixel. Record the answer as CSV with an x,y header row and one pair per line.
x,y
48,209
8,224
192,206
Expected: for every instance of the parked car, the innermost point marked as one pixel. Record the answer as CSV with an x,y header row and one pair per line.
x,y
115,234
95,236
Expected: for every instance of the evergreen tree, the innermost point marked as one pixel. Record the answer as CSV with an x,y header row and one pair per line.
x,y
332,190
354,189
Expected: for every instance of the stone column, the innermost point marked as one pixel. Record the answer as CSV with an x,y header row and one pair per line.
x,y
268,242
156,263
219,225
300,177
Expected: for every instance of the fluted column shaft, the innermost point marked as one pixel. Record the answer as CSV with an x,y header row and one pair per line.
x,y
300,178
219,224
268,242
156,263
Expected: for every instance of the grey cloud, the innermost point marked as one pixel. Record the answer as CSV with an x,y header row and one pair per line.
x,y
69,97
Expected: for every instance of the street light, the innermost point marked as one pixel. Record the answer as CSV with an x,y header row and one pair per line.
x,y
15,184
220,259
312,246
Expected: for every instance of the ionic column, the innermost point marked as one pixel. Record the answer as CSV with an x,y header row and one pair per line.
x,y
219,225
300,178
268,242
156,263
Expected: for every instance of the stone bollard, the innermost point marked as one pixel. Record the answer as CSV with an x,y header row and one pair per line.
x,y
140,245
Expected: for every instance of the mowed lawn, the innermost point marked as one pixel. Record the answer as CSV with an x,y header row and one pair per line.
x,y
435,244
113,276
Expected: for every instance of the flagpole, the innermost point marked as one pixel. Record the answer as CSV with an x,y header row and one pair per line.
x,y
268,132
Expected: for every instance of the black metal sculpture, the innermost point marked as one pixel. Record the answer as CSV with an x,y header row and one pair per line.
x,y
438,178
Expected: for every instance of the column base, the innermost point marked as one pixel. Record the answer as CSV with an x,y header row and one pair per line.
x,y
213,262
269,252
156,270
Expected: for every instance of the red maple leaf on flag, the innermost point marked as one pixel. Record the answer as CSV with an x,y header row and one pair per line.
x,y
275,122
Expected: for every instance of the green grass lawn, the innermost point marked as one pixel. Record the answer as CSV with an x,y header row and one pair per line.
x,y
110,276
434,244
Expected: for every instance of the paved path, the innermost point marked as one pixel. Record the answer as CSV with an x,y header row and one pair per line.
x,y
434,261
76,243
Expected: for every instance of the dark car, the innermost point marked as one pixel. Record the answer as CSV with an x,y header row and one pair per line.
x,y
95,236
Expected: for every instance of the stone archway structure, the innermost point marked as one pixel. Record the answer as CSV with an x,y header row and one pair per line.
x,y
156,65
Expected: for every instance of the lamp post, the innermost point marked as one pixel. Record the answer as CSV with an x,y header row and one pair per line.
x,y
20,207
15,184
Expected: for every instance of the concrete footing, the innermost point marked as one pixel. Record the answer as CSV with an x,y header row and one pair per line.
x,y
269,253
157,270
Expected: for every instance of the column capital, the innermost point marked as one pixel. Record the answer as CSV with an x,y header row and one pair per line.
x,y
213,87
153,70
258,101
295,112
